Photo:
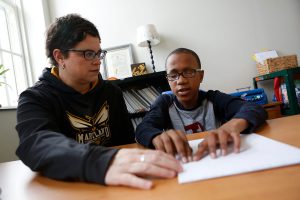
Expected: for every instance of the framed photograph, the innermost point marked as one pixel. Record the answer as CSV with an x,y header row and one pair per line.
x,y
117,62
138,69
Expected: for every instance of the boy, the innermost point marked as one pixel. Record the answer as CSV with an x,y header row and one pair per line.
x,y
189,110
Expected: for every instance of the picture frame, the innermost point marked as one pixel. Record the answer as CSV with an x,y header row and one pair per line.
x,y
138,69
117,62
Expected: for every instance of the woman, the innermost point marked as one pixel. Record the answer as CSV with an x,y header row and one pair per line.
x,y
69,117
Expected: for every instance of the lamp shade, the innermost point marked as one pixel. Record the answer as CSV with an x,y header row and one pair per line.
x,y
147,33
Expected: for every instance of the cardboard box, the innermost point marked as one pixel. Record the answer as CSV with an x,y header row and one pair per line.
x,y
276,64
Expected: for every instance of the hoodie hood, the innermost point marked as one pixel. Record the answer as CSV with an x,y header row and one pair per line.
x,y
51,80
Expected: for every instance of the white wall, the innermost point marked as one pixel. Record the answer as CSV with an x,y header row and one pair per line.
x,y
8,135
224,33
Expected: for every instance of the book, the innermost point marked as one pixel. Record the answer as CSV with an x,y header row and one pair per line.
x,y
134,102
140,98
130,109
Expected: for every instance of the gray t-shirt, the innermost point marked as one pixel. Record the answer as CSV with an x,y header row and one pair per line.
x,y
192,121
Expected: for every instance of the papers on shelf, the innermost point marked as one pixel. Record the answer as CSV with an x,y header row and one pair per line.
x,y
257,153
262,56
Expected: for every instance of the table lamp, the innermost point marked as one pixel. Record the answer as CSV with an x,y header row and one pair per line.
x,y
147,36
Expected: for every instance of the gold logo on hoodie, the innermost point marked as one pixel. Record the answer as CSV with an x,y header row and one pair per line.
x,y
93,129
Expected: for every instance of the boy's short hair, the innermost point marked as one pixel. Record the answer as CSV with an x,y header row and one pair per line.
x,y
66,32
184,50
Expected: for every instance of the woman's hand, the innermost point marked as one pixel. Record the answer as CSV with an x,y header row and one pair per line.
x,y
130,167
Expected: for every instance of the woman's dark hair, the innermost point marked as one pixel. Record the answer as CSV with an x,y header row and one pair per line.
x,y
184,50
66,32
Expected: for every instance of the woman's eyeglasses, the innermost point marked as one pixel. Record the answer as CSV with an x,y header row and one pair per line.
x,y
90,54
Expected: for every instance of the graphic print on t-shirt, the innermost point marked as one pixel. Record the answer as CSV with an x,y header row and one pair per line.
x,y
194,127
93,129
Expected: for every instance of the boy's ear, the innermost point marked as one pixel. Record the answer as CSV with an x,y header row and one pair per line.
x,y
201,76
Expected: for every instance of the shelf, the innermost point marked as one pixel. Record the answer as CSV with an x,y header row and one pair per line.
x,y
289,76
138,114
157,80
281,73
144,77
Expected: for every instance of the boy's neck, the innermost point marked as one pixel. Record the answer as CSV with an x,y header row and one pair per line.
x,y
189,105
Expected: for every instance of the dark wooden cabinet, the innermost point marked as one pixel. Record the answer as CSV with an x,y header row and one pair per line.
x,y
156,79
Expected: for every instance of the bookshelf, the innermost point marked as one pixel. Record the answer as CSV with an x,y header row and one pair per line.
x,y
140,92
289,75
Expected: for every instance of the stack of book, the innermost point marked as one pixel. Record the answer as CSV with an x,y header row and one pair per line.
x,y
136,121
139,100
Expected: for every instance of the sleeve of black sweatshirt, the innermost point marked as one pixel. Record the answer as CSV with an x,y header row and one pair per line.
x,y
43,148
154,122
228,107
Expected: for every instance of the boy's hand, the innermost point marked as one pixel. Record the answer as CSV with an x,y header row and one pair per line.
x,y
173,142
228,132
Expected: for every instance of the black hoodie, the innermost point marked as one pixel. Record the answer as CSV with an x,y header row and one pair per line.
x,y
63,132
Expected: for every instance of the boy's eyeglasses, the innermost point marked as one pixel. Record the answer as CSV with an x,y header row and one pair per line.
x,y
90,54
187,73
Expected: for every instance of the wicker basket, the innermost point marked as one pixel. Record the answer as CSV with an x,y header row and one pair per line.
x,y
276,64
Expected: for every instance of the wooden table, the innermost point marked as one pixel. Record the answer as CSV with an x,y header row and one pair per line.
x,y
17,182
